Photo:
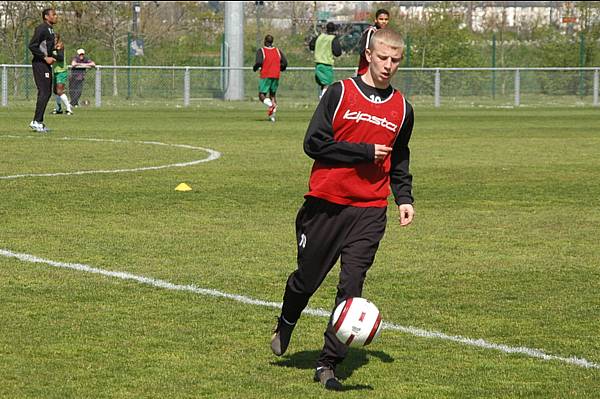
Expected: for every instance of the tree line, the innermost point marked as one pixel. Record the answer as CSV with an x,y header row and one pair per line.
x,y
191,33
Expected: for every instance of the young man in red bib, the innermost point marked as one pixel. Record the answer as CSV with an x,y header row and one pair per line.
x,y
271,61
358,137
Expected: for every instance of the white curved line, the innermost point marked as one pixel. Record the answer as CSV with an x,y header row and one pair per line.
x,y
212,155
481,343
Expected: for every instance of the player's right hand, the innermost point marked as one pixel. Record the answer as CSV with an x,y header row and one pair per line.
x,y
381,151
50,60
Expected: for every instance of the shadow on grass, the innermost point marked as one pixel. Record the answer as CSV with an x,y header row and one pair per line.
x,y
356,358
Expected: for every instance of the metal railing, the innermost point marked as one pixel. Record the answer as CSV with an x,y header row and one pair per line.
x,y
185,85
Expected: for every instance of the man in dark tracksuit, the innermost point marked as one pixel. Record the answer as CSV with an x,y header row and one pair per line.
x,y
42,46
358,137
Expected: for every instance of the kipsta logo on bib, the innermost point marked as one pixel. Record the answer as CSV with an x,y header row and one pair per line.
x,y
363,116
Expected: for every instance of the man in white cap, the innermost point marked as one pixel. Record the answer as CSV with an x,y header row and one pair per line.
x,y
79,65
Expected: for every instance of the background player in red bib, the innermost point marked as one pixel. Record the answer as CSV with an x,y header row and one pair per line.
x,y
382,18
358,138
271,61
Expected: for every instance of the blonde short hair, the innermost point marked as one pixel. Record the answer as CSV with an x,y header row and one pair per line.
x,y
389,37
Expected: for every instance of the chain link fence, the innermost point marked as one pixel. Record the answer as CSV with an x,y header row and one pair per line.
x,y
108,86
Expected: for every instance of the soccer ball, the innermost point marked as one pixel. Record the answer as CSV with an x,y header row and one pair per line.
x,y
356,322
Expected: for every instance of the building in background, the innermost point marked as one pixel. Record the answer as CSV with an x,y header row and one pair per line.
x,y
477,15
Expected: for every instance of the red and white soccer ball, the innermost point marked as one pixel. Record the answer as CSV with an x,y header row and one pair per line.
x,y
356,322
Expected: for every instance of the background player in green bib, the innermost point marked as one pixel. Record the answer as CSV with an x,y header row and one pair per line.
x,y
325,46
61,74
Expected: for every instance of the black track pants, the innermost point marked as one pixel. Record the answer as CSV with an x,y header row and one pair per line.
x,y
326,232
42,74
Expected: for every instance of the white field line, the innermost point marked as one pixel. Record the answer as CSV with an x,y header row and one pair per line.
x,y
535,353
212,155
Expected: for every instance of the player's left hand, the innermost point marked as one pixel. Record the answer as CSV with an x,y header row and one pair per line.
x,y
407,212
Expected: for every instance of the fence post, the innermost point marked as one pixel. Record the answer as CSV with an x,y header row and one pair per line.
x,y
596,84
26,61
437,89
4,86
581,64
407,46
98,87
186,87
128,65
494,66
517,88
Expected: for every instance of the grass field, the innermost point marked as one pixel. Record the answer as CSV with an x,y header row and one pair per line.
x,y
504,248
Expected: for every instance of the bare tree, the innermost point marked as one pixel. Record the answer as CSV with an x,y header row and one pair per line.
x,y
104,22
16,19
162,20
111,19
74,21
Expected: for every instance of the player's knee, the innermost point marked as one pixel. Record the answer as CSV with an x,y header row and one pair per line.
x,y
301,285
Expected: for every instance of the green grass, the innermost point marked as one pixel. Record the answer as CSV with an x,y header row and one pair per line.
x,y
504,247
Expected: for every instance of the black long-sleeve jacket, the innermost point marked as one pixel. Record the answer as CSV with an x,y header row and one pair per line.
x,y
42,42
